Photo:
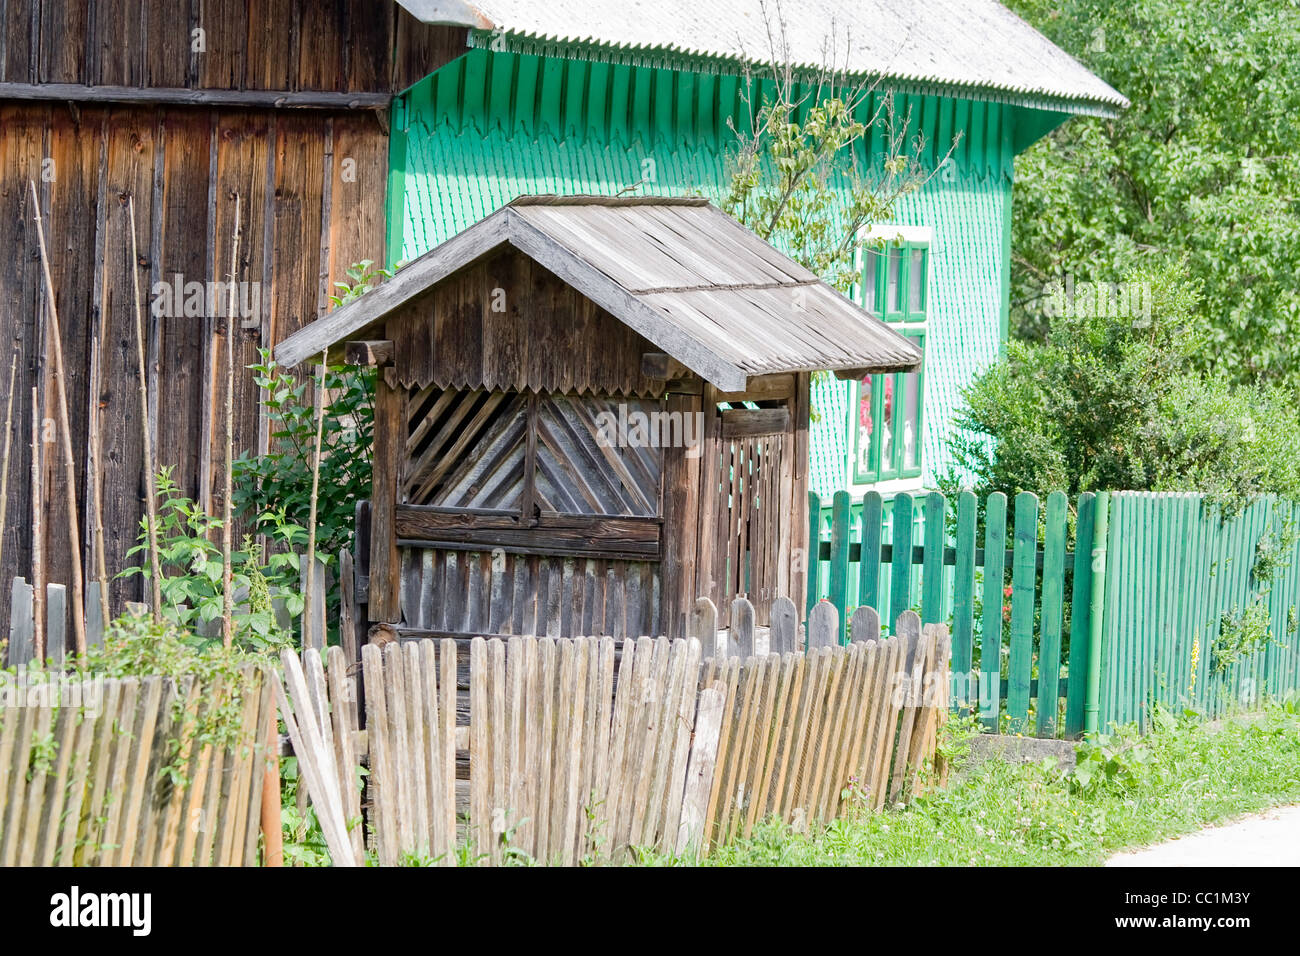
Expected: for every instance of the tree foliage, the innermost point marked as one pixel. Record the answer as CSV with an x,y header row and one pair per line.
x,y
1110,403
1204,166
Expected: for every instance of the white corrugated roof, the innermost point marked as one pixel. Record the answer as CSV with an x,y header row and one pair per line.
x,y
975,44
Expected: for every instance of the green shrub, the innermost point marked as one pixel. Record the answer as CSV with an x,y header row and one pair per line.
x,y
191,564
280,481
1110,403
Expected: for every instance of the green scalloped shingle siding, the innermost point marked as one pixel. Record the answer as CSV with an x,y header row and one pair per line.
x,y
491,126
964,325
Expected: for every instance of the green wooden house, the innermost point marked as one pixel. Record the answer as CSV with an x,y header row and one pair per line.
x,y
633,97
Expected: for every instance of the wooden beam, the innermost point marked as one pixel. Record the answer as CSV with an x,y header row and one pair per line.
x,y
744,422
762,388
553,534
374,352
180,96
389,445
857,374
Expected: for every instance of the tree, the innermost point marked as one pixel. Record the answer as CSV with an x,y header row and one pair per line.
x,y
1112,402
800,176
1204,166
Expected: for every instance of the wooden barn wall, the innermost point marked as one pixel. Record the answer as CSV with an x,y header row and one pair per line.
x,y
302,225
506,322
288,45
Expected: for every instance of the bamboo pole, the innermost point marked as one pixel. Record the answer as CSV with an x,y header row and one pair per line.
x,y
4,462
38,533
310,625
65,430
227,588
96,478
151,491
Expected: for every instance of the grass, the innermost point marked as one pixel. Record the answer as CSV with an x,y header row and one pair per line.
x,y
1128,791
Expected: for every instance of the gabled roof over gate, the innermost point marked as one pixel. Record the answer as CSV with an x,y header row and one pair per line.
x,y
679,272
976,48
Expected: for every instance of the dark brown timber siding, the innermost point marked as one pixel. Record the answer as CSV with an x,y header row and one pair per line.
x,y
312,187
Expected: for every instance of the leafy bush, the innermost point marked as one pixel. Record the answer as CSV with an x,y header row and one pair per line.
x,y
280,481
1233,442
135,645
1242,632
1115,761
191,564
1110,403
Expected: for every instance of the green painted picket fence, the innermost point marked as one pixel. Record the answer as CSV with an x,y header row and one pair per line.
x,y
1167,601
1180,581
1018,600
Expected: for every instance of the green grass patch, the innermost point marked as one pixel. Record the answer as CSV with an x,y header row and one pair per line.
x,y
1127,791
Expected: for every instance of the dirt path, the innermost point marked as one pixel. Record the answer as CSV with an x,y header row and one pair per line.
x,y
1271,838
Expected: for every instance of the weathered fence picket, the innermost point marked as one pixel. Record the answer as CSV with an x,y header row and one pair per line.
x,y
99,772
577,749
20,647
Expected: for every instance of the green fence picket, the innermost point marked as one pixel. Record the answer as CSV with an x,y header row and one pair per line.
x,y
1024,568
1049,617
932,582
963,593
900,569
1080,621
995,544
814,551
837,586
872,533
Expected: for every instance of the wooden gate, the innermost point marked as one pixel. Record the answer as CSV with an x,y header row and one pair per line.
x,y
754,478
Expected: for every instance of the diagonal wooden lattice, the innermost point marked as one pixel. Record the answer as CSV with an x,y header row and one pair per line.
x,y
466,449
472,449
586,463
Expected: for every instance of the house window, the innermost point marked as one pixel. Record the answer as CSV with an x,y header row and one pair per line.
x,y
888,416
887,409
894,281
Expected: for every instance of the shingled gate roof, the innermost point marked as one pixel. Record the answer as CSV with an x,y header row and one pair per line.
x,y
977,46
680,272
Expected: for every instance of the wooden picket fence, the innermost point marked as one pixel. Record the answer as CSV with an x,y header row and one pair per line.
x,y
1009,596
20,646
579,750
1180,577
86,772
20,643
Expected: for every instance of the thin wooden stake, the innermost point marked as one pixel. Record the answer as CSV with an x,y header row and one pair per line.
x,y
96,478
272,832
38,534
227,588
310,624
4,462
151,493
69,462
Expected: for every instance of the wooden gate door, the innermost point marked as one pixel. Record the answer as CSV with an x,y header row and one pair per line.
x,y
751,557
